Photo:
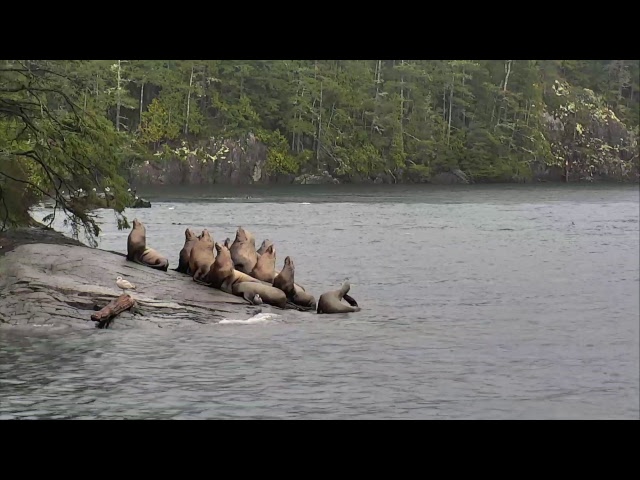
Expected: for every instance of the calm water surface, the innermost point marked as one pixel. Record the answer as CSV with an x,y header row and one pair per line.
x,y
483,302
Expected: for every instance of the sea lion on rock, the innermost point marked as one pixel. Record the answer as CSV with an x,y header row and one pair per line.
x,y
285,282
190,239
201,256
268,294
138,252
222,274
265,244
330,302
243,251
265,268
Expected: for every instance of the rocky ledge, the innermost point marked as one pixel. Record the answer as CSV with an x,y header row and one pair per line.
x,y
50,281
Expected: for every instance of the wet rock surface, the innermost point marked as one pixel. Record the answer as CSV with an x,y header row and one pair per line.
x,y
60,286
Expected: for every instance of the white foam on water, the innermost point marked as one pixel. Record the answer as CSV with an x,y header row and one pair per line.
x,y
256,319
305,203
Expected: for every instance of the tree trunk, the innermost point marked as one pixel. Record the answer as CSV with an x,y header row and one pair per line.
x,y
115,307
141,100
507,70
444,111
464,110
186,122
118,100
450,108
319,129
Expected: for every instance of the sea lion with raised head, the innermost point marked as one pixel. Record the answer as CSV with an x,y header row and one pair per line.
x,y
330,302
285,282
265,268
243,251
190,239
265,244
138,252
222,274
201,256
268,294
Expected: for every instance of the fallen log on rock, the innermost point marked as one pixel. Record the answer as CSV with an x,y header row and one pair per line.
x,y
114,308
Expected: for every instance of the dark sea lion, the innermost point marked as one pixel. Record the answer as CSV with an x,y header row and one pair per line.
x,y
243,251
222,274
201,256
138,252
285,282
265,244
265,268
190,238
330,302
269,295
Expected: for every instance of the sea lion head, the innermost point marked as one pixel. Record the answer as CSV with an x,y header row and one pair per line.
x,y
346,286
190,235
241,235
223,258
137,223
245,236
270,251
288,262
205,236
264,245
222,249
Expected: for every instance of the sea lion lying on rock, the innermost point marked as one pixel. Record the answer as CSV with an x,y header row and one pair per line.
x,y
243,251
138,252
330,302
201,256
222,274
285,282
190,239
265,268
266,293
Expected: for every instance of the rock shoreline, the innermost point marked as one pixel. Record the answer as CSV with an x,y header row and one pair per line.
x,y
48,279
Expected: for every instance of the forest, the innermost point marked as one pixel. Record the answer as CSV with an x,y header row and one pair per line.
x,y
68,125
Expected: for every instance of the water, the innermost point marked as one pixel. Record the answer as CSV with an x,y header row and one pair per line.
x,y
478,302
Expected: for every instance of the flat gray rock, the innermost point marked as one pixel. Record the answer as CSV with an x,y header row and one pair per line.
x,y
59,286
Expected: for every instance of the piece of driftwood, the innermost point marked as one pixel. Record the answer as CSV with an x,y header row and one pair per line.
x,y
115,307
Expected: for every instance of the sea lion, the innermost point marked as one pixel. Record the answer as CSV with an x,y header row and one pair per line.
x,y
265,244
267,293
222,274
201,256
227,242
285,282
138,252
243,251
265,268
190,239
330,302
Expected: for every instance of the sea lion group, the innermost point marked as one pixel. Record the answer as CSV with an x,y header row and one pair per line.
x,y
240,269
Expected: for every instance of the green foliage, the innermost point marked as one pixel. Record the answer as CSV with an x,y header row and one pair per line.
x,y
66,125
279,159
50,147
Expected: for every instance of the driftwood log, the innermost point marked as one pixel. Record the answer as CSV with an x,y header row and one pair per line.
x,y
115,307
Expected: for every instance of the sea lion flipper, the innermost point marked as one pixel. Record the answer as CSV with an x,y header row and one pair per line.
x,y
350,300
